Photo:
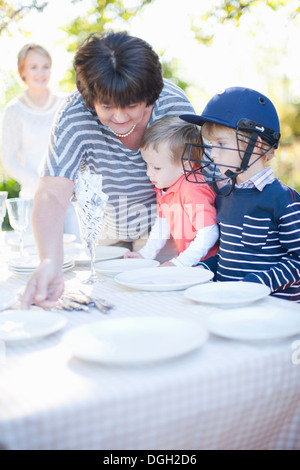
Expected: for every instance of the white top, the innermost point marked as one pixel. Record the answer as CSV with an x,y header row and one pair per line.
x,y
199,247
25,136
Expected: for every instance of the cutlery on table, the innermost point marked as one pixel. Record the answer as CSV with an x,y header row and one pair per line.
x,y
81,301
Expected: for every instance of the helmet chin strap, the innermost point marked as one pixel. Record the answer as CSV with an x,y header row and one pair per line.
x,y
249,151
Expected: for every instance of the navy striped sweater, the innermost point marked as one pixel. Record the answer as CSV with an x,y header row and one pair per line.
x,y
260,239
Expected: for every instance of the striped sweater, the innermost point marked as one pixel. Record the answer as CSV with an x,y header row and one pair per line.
x,y
79,138
260,239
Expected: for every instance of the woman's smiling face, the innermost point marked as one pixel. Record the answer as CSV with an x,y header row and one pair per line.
x,y
36,70
120,120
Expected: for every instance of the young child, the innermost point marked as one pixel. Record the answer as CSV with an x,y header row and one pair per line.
x,y
185,210
260,217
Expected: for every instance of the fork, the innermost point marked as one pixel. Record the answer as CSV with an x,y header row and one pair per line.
x,y
101,304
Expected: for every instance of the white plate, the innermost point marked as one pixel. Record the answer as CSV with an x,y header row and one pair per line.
x,y
13,240
29,263
7,298
135,339
255,323
225,294
103,253
164,278
126,264
28,272
20,325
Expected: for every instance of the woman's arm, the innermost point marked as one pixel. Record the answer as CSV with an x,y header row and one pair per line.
x,y
50,204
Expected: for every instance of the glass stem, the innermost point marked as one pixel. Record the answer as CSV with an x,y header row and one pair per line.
x,y
92,248
21,243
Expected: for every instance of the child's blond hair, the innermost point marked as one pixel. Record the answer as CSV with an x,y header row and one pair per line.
x,y
176,133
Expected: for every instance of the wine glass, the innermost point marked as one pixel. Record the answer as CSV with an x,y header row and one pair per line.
x,y
90,211
18,212
90,215
93,278
90,202
3,197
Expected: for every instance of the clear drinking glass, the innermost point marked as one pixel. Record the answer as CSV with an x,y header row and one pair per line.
x,y
90,202
91,242
3,197
88,220
18,212
93,278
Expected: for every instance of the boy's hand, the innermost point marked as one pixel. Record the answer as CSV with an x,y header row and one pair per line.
x,y
133,254
167,263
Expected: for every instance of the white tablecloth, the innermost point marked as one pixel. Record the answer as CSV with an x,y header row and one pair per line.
x,y
225,395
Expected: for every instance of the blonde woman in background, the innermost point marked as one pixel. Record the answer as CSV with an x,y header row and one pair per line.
x,y
27,122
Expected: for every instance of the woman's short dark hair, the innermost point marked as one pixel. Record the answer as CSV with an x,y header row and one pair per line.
x,y
117,69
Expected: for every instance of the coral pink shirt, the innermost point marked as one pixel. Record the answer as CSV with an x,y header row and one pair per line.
x,y
188,207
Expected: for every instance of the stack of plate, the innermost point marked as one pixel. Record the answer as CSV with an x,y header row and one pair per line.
x,y
25,265
13,240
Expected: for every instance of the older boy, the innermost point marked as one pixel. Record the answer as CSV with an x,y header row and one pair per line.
x,y
260,217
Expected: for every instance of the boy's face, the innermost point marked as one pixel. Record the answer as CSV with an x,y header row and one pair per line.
x,y
162,169
225,154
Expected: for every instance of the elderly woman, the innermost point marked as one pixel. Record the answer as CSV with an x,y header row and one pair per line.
x,y
120,92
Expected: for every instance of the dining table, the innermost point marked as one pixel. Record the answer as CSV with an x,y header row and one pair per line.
x,y
202,391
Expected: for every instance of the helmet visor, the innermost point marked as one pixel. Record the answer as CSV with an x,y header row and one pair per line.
x,y
205,171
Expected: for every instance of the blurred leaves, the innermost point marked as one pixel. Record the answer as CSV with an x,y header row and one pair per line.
x,y
14,10
286,165
230,11
13,189
11,89
105,15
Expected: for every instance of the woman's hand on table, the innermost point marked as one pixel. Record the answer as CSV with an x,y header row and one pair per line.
x,y
44,287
